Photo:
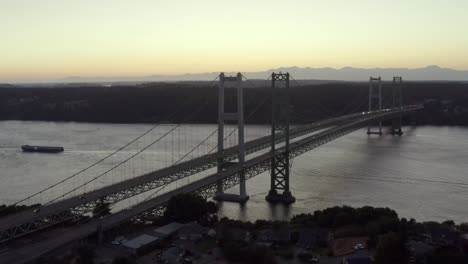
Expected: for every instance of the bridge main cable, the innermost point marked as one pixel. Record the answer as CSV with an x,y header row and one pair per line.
x,y
135,186
157,124
254,111
19,224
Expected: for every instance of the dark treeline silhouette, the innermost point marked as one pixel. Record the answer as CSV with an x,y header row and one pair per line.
x,y
446,103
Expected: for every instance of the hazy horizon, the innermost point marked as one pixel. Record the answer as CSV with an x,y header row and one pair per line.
x,y
54,39
427,73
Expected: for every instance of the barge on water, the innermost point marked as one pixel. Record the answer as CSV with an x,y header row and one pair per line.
x,y
45,149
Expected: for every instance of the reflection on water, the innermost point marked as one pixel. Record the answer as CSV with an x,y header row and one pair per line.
x,y
421,175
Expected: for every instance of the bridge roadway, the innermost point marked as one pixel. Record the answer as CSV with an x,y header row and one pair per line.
x,y
29,221
206,187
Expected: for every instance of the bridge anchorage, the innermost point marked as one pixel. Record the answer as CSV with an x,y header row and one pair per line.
x,y
280,166
222,163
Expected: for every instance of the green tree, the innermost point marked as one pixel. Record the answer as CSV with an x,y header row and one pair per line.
x,y
372,242
189,207
447,254
391,249
343,218
464,227
449,223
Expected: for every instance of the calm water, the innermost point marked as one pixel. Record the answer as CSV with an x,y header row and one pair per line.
x,y
421,175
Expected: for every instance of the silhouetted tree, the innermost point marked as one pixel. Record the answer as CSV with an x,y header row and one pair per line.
x,y
391,249
51,260
85,255
123,260
240,252
447,254
372,242
155,101
189,207
463,227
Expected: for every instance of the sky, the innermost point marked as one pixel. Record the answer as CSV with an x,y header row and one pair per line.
x,y
50,39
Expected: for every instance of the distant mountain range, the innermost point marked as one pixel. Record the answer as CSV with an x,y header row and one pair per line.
x,y
314,75
429,73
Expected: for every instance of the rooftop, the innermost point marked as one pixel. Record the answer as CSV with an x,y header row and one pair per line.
x,y
169,229
193,229
139,241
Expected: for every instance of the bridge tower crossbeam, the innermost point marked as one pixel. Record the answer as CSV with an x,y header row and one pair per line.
x,y
280,167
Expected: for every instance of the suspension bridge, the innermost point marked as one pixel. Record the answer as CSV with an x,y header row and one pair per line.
x,y
219,168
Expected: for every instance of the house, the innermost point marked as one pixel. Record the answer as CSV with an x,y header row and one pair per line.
x,y
232,234
192,231
357,260
274,236
420,249
168,230
140,244
173,255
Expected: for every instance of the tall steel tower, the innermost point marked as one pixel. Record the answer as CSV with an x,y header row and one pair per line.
x,y
397,103
280,168
375,102
239,117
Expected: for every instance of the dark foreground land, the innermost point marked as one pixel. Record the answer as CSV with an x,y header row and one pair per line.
x,y
190,232
446,102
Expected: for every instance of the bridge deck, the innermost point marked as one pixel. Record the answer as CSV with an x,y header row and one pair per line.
x,y
28,216
35,250
66,204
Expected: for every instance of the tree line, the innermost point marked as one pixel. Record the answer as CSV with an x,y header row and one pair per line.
x,y
447,103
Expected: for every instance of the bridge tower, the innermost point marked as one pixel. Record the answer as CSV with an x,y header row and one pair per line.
x,y
239,117
280,127
375,102
397,103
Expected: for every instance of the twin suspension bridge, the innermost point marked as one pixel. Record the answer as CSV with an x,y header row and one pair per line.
x,y
221,167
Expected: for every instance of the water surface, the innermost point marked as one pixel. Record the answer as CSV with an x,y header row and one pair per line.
x,y
422,174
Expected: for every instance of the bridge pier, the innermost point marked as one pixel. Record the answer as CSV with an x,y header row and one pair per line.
x,y
280,166
239,117
375,83
397,103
